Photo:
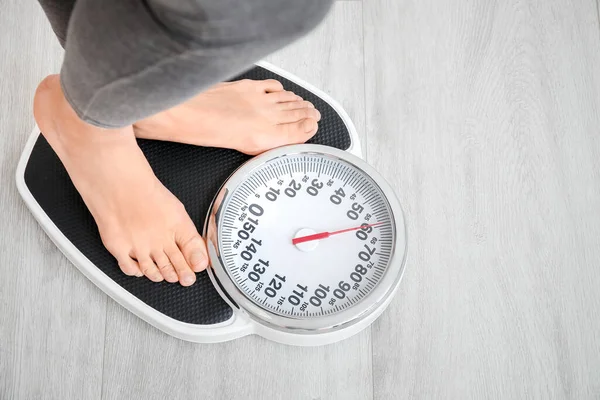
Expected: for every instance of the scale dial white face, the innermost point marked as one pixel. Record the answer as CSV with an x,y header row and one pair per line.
x,y
273,227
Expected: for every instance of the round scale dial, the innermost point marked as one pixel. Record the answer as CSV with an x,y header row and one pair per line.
x,y
306,235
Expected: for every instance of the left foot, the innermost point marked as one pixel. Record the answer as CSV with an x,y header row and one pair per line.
x,y
248,116
143,225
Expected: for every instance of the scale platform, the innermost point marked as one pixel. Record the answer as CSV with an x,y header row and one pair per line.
x,y
194,174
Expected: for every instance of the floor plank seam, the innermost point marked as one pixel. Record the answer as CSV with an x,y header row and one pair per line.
x,y
366,155
366,132
104,349
598,17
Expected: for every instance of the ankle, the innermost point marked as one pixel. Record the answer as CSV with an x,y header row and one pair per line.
x,y
161,122
62,127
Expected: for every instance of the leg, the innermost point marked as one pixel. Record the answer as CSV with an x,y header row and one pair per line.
x,y
120,54
108,84
249,116
59,13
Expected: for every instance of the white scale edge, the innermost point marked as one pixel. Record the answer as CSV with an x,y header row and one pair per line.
x,y
237,326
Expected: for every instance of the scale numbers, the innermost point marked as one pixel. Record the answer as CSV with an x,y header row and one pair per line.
x,y
300,197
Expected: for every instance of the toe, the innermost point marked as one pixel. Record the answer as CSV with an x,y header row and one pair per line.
x,y
165,266
129,266
193,248
194,251
297,132
149,268
185,273
299,115
309,126
295,105
282,97
271,85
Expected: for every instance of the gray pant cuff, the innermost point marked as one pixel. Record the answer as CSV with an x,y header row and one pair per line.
x,y
78,110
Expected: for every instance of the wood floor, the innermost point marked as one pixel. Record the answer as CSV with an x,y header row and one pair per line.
x,y
485,117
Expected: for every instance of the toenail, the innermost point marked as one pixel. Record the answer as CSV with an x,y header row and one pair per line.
x,y
189,279
139,274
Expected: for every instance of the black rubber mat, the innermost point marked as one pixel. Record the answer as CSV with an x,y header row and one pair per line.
x,y
193,174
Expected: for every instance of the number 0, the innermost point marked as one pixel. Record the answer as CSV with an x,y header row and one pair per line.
x,y
256,210
352,214
362,235
271,196
356,277
294,300
363,255
246,255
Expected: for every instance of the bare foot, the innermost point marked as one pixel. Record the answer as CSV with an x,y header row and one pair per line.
x,y
248,116
141,223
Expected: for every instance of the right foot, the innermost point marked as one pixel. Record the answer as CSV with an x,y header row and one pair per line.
x,y
143,225
248,116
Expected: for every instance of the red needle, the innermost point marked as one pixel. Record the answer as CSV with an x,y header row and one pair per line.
x,y
324,235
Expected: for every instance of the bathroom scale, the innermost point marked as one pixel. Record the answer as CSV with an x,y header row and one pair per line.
x,y
307,243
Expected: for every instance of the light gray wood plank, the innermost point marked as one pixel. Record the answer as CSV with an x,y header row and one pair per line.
x,y
331,58
141,362
485,118
52,329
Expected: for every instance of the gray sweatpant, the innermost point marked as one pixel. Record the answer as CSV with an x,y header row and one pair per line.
x,y
128,59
